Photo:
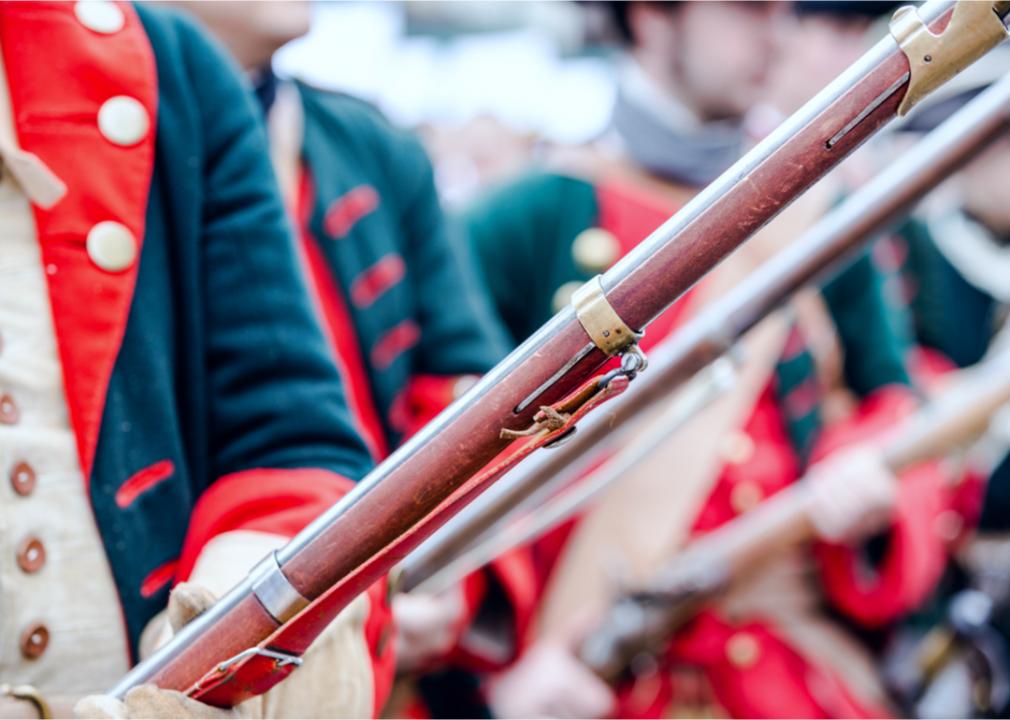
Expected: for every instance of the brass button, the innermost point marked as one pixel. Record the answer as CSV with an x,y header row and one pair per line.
x,y
736,448
595,249
122,120
23,479
102,16
745,496
111,246
31,554
563,295
9,414
34,641
743,650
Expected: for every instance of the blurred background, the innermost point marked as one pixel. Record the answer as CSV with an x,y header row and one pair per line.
x,y
487,84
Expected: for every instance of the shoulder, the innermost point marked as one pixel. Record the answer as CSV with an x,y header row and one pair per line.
x,y
193,65
179,42
345,134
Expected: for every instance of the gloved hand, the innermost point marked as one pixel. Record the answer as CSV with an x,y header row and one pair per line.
x,y
548,681
149,701
853,494
334,680
427,626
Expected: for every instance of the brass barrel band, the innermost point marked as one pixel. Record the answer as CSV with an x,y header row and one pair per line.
x,y
973,30
599,319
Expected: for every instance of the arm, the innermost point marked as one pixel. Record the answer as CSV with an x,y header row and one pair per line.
x,y
282,447
875,582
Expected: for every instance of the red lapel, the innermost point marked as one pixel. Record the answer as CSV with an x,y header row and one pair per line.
x,y
60,73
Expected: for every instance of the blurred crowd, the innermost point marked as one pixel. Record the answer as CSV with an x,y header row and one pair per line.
x,y
252,248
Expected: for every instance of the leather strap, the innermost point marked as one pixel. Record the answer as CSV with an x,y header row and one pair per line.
x,y
255,672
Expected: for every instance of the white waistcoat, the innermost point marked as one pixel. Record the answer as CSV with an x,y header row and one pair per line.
x,y
70,600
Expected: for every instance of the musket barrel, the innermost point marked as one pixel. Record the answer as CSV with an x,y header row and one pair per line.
x,y
402,502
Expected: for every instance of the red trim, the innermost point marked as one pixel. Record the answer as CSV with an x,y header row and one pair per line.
x,y
345,212
283,502
424,397
372,283
143,481
339,327
158,578
394,343
58,81
916,554
915,559
268,500
380,636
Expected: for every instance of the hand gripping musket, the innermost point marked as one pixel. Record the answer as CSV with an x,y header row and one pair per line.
x,y
642,621
545,487
254,636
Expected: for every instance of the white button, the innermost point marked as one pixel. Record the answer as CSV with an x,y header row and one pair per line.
x,y
111,246
123,120
102,16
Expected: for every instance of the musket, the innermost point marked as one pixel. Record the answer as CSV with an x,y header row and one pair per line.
x,y
549,484
643,621
254,636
